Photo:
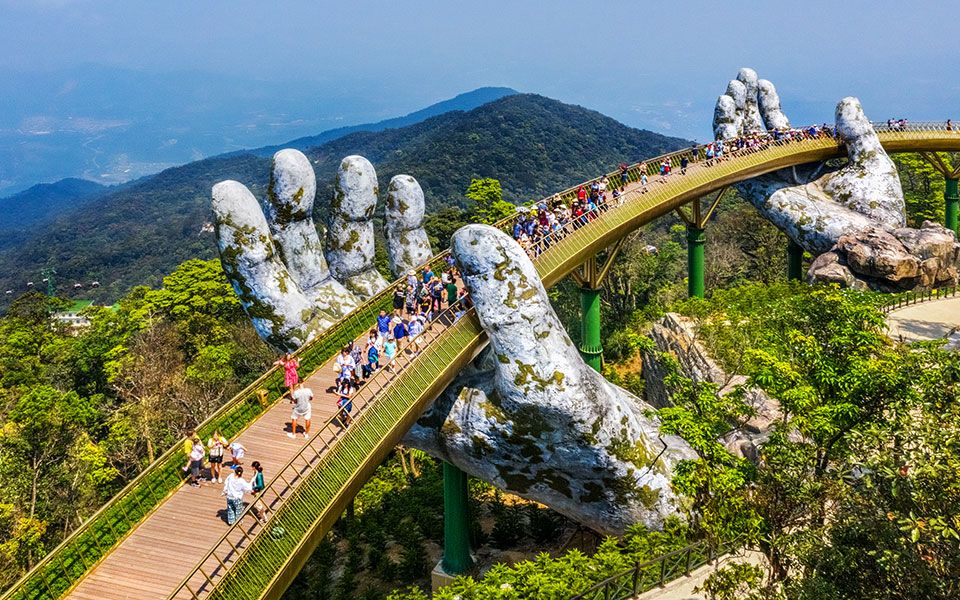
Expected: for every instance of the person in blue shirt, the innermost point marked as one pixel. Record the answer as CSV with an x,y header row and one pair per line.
x,y
427,275
383,325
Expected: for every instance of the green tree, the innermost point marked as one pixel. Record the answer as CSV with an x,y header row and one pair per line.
x,y
488,203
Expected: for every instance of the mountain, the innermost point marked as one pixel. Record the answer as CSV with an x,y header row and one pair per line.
x,y
135,234
43,202
465,101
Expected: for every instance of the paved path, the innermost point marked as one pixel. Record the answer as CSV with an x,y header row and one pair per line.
x,y
683,587
933,320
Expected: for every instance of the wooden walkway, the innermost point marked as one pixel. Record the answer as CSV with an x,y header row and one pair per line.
x,y
156,557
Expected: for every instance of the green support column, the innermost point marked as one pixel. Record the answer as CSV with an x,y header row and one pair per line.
x,y
590,346
952,208
695,261
794,261
456,522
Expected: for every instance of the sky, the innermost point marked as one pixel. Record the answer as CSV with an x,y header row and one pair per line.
x,y
655,66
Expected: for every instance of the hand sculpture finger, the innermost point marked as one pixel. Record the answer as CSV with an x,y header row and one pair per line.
x,y
536,419
852,217
350,239
289,208
280,312
407,244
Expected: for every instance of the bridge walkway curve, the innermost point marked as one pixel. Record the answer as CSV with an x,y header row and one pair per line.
x,y
309,490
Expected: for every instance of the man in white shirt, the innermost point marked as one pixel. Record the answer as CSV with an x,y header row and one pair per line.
x,y
302,409
234,488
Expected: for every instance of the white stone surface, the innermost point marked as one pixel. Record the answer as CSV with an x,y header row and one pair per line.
x,y
289,212
534,418
350,235
407,243
280,312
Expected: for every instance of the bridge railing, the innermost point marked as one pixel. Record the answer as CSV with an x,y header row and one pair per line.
x,y
60,569
657,572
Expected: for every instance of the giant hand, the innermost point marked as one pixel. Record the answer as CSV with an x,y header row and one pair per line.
x,y
852,218
530,416
275,260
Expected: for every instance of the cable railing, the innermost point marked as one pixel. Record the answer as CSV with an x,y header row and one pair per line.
x,y
82,550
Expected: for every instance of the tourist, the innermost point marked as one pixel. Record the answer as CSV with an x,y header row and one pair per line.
x,y
302,409
643,182
383,323
289,364
234,488
389,352
358,359
949,125
344,363
258,485
624,175
683,165
451,291
399,332
373,360
411,300
345,402
188,447
197,452
416,328
216,445
399,296
237,452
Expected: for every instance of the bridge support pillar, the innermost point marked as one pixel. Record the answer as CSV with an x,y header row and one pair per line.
x,y
591,348
456,522
951,197
696,262
794,261
590,278
696,221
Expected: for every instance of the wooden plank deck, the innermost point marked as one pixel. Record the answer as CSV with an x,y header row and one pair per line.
x,y
155,558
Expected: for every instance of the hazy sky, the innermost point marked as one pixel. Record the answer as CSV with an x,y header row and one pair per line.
x,y
655,65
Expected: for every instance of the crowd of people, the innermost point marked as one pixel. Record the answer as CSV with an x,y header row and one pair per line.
x,y
417,303
536,227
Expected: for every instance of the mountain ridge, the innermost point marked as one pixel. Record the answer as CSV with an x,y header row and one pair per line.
x,y
139,232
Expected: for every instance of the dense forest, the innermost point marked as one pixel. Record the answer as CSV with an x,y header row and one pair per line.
x,y
135,234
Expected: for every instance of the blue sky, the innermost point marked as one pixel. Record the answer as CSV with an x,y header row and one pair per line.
x,y
658,66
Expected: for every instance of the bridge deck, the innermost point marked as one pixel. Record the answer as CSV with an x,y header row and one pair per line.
x,y
168,545
156,557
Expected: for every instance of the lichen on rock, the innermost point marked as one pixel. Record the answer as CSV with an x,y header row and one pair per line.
x,y
407,243
542,423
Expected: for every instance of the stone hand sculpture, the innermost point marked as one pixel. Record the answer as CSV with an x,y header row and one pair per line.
x,y
531,417
291,284
851,218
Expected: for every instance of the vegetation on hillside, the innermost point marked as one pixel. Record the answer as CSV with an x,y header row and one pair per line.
x,y
136,234
82,413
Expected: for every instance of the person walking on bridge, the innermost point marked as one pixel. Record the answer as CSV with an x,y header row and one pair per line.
x,y
216,445
234,488
302,409
289,364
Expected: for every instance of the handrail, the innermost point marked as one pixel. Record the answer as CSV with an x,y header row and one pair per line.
x,y
904,299
244,407
656,572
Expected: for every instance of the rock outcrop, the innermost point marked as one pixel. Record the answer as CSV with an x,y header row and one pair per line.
x,y
533,418
851,218
350,241
676,336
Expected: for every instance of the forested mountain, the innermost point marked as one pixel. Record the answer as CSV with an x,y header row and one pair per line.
x,y
135,234
466,101
35,205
